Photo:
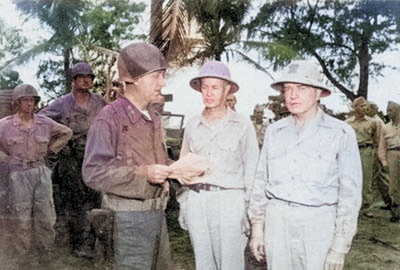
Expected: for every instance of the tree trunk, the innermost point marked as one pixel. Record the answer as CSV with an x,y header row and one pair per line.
x,y
364,59
67,71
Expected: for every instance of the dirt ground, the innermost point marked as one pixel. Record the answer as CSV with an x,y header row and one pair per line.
x,y
376,246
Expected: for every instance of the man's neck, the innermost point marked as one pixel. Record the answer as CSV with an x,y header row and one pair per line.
x,y
82,98
301,119
26,119
137,101
259,121
214,115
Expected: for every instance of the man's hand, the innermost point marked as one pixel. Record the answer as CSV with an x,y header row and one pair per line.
x,y
257,242
157,173
334,260
165,190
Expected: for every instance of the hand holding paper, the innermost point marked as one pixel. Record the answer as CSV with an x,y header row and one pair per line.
x,y
189,168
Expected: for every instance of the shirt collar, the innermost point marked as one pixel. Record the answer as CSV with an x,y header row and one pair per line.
x,y
230,117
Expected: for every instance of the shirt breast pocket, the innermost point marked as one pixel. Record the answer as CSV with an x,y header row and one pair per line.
x,y
321,163
197,145
42,144
229,153
16,146
278,164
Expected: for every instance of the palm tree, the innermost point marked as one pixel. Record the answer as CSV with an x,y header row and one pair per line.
x,y
88,29
196,30
62,19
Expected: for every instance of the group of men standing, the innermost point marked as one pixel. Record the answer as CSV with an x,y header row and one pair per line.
x,y
295,203
378,143
29,143
298,199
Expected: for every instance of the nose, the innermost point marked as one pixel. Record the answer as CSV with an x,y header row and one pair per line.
x,y
163,82
292,93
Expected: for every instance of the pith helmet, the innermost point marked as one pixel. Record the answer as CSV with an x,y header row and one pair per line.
x,y
214,69
24,90
81,68
138,59
302,72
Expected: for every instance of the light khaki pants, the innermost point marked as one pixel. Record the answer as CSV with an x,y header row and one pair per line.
x,y
298,237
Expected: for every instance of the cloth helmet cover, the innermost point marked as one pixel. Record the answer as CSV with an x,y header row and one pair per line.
x,y
302,72
81,68
24,90
138,59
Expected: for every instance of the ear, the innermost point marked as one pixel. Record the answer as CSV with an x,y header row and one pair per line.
x,y
227,88
318,93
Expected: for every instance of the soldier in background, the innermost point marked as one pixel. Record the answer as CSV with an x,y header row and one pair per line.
x,y
231,101
260,125
367,131
76,110
380,180
389,155
25,141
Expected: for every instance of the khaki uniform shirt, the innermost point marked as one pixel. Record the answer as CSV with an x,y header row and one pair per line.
x,y
23,144
390,139
367,130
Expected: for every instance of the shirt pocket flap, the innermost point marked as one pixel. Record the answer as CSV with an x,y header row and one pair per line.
x,y
14,140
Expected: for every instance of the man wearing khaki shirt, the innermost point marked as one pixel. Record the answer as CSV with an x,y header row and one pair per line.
x,y
25,140
389,154
213,209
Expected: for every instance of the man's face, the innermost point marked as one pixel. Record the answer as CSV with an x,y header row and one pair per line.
x,y
301,100
26,105
370,110
259,114
150,85
392,111
231,101
83,82
214,92
361,108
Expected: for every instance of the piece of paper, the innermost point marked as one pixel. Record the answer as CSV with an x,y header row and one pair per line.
x,y
189,167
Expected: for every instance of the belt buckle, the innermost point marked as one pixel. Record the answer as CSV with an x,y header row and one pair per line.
x,y
195,187
25,164
206,187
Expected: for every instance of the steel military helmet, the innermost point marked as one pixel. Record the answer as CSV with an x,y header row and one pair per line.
x,y
81,68
214,69
24,90
303,72
138,59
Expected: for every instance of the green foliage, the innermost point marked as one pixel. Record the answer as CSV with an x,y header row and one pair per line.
x,y
107,24
9,79
220,23
11,44
62,18
80,28
51,77
343,36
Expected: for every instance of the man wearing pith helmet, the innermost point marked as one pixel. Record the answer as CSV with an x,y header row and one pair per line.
x,y
213,208
125,159
307,190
